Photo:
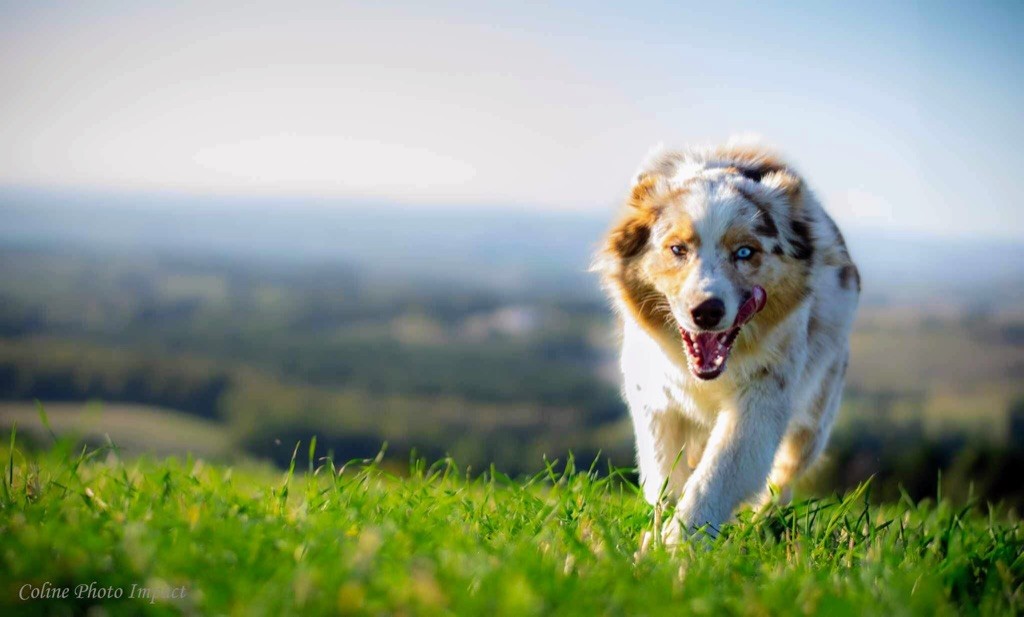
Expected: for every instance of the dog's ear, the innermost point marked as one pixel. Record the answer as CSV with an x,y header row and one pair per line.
x,y
782,213
783,183
629,237
646,189
786,189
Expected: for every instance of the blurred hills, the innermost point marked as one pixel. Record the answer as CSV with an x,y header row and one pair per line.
x,y
506,250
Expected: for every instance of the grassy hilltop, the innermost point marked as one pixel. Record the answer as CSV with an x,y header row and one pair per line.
x,y
317,540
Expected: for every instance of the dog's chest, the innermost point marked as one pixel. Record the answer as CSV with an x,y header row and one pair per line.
x,y
657,382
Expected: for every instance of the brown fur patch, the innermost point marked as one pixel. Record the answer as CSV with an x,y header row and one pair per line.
x,y
682,232
755,260
848,276
646,305
754,174
784,296
789,183
739,235
757,164
626,243
751,159
645,190
793,456
629,237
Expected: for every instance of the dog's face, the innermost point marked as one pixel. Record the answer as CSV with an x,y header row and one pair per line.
x,y
704,258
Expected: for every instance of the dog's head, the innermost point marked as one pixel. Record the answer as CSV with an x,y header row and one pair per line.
x,y
707,246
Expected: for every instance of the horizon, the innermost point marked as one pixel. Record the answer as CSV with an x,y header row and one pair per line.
x,y
549,252
156,200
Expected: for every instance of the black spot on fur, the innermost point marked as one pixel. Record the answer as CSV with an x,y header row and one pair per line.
x,y
802,245
849,276
768,373
753,174
766,225
777,250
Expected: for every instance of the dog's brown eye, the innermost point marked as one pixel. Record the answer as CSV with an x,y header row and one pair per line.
x,y
678,249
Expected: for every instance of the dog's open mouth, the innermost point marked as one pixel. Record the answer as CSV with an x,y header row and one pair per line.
x,y
707,352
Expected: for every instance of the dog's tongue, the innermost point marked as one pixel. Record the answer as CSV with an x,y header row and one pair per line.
x,y
758,298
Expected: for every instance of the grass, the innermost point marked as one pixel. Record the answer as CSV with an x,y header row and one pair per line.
x,y
315,540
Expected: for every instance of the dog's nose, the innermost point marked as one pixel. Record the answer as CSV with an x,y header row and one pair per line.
x,y
708,313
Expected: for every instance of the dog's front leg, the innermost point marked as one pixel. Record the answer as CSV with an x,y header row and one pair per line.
x,y
660,437
736,461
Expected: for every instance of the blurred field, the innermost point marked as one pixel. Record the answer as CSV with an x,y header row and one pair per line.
x,y
247,357
136,429
950,372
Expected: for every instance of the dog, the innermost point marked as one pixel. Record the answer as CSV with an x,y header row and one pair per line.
x,y
735,293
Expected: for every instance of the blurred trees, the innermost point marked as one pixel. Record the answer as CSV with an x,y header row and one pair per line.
x,y
279,352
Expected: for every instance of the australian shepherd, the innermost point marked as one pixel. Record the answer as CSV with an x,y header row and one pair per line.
x,y
736,294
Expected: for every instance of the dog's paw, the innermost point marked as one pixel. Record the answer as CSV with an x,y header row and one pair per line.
x,y
677,533
674,532
646,542
770,499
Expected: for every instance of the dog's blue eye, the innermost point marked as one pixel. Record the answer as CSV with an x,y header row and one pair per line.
x,y
744,252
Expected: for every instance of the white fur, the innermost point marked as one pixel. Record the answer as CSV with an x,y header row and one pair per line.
x,y
710,445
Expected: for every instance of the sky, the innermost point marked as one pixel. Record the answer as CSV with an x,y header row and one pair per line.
x,y
903,116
